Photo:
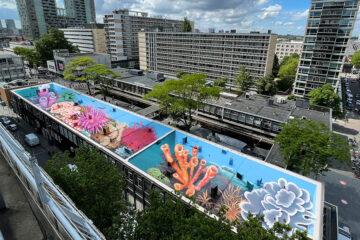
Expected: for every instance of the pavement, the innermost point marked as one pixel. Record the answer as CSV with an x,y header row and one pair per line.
x,y
17,221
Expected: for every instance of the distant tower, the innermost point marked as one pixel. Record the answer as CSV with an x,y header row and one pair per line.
x,y
329,27
37,16
10,24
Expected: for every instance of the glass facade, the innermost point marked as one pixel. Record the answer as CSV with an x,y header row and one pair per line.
x,y
329,27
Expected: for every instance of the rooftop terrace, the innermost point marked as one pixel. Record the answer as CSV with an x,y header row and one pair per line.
x,y
213,175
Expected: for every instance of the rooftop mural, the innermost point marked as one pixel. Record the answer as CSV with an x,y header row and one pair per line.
x,y
216,178
123,132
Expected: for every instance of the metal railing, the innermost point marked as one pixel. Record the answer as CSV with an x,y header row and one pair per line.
x,y
67,221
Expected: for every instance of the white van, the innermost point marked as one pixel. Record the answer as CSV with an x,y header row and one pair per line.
x,y
32,140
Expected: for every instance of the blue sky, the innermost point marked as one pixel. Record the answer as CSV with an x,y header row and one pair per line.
x,y
282,16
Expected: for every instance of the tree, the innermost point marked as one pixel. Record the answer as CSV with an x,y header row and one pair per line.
x,y
186,25
172,219
220,82
287,72
50,41
86,69
325,96
355,59
180,74
93,183
308,146
29,55
266,85
243,80
276,66
180,98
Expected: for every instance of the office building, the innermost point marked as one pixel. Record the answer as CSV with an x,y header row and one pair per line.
x,y
89,39
211,30
122,27
151,156
218,55
329,27
38,16
284,49
11,67
10,24
63,57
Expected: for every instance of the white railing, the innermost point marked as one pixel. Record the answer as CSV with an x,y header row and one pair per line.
x,y
68,221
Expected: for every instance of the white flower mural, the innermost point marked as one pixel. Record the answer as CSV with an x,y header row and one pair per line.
x,y
282,202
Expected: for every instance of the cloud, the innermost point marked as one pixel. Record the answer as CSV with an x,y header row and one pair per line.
x,y
271,11
8,4
261,2
300,15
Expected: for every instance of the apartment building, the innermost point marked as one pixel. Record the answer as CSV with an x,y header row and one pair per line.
x,y
89,39
218,55
284,49
329,28
38,16
122,27
11,67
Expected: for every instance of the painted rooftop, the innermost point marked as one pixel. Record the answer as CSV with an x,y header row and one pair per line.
x,y
215,177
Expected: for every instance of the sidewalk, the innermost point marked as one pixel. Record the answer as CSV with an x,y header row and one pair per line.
x,y
17,221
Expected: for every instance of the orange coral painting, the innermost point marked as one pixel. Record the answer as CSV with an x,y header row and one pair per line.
x,y
188,169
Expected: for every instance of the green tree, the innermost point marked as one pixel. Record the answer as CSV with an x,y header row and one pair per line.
x,y
266,85
243,80
287,72
172,219
29,55
355,59
50,41
276,66
220,82
308,146
93,183
180,98
186,25
325,96
180,74
86,69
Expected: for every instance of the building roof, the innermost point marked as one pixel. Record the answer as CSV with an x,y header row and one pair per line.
x,y
226,169
255,105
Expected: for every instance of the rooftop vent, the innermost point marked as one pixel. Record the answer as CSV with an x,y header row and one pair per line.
x,y
271,102
136,72
281,100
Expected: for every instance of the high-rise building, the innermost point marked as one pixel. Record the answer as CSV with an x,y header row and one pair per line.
x,y
218,55
89,39
122,27
37,16
10,24
284,49
329,27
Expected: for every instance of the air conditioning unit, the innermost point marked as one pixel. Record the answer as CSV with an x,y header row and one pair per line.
x,y
281,100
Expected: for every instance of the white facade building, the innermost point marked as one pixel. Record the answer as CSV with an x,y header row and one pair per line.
x,y
11,67
122,27
284,49
88,39
218,55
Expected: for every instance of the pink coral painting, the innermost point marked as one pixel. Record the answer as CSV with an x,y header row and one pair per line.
x,y
137,137
92,120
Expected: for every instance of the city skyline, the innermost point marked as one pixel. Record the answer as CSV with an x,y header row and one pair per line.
x,y
281,16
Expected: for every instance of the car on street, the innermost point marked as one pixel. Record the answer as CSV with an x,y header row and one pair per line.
x,y
5,120
12,127
32,139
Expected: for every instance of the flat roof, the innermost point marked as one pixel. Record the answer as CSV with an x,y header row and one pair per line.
x,y
255,105
176,160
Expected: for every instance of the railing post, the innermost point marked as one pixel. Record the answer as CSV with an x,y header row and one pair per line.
x,y
38,180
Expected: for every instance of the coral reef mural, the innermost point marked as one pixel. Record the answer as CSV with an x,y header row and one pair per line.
x,y
93,122
230,203
280,201
188,170
138,136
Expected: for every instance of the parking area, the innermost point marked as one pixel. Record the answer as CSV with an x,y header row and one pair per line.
x,y
352,95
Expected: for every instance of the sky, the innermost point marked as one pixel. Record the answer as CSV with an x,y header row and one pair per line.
x,y
281,16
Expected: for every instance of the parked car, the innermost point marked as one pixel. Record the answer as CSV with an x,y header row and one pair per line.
x,y
2,103
32,140
5,120
12,127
